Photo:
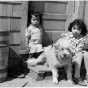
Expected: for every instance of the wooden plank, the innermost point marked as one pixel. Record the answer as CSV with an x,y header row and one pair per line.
x,y
52,16
14,38
9,17
11,3
55,8
17,10
14,44
4,10
4,57
4,24
54,35
14,31
23,23
55,30
15,24
54,24
4,39
4,33
3,42
61,2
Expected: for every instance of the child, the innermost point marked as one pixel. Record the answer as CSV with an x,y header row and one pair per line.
x,y
78,28
77,41
34,36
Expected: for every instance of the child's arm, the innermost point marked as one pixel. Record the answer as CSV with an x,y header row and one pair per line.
x,y
85,42
28,35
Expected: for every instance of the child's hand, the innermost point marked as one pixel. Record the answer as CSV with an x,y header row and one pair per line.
x,y
27,50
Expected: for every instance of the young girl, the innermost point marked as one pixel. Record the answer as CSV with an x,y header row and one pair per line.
x,y
77,40
79,31
34,36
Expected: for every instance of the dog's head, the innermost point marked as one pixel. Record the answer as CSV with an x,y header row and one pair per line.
x,y
64,55
63,43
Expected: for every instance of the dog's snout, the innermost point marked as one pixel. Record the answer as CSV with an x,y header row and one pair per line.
x,y
64,55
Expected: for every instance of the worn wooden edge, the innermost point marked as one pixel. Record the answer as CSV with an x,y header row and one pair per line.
x,y
10,3
9,17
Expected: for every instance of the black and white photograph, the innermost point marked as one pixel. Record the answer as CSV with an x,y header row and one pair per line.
x,y
43,43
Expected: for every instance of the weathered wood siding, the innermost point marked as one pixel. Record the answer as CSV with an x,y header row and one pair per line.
x,y
13,18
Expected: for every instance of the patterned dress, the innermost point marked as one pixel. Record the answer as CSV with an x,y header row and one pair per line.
x,y
68,41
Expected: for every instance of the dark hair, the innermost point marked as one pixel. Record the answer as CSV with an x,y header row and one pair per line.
x,y
80,24
36,14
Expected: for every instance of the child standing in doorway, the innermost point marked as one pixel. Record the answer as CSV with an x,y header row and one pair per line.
x,y
34,36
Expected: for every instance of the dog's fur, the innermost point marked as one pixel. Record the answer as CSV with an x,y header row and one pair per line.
x,y
55,58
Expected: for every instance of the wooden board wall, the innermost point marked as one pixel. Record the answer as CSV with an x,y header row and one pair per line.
x,y
13,18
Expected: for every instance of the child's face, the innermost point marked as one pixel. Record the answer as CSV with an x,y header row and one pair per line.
x,y
34,20
75,30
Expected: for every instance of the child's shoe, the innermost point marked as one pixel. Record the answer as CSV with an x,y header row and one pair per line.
x,y
87,78
79,81
21,76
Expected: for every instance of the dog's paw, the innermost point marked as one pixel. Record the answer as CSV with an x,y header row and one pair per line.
x,y
70,82
55,81
31,62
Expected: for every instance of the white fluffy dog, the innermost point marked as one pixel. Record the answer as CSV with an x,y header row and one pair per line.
x,y
55,58
57,55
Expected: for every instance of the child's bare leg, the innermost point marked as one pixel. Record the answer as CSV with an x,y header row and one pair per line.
x,y
55,75
78,59
86,63
68,69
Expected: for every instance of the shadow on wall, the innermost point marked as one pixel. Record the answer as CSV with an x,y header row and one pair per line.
x,y
16,64
46,39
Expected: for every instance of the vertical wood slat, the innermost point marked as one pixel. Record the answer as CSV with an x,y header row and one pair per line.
x,y
4,50
15,27
23,24
15,24
10,20
4,24
14,38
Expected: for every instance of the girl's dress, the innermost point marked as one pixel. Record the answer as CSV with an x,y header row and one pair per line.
x,y
34,39
75,45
